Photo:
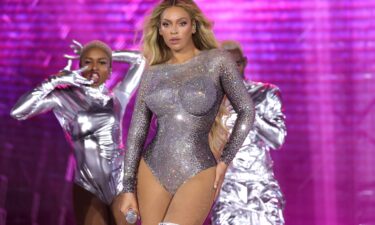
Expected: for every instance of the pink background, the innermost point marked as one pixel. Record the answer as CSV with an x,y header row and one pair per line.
x,y
320,53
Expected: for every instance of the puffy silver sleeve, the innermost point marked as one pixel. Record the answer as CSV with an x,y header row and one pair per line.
x,y
243,105
36,101
128,85
41,100
270,120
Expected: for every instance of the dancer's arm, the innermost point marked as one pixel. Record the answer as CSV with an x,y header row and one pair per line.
x,y
270,123
39,99
128,85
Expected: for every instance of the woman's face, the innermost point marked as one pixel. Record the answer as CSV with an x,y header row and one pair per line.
x,y
98,64
176,28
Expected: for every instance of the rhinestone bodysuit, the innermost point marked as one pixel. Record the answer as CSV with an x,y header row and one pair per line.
x,y
185,99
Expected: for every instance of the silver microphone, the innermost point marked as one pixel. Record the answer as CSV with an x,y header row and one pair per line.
x,y
131,216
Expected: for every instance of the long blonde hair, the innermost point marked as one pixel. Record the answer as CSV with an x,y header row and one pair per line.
x,y
203,38
156,52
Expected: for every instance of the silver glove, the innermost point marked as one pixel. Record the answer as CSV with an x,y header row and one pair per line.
x,y
70,78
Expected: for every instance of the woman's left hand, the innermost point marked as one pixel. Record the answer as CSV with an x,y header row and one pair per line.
x,y
221,168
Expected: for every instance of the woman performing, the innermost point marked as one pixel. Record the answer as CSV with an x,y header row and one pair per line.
x,y
177,176
91,117
250,193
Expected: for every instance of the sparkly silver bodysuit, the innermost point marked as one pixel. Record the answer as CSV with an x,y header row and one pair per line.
x,y
185,99
250,193
91,119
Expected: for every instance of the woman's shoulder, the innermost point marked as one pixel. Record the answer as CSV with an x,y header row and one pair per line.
x,y
210,55
150,71
214,52
154,68
218,55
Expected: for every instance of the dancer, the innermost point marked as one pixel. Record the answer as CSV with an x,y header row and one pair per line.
x,y
91,117
183,88
250,193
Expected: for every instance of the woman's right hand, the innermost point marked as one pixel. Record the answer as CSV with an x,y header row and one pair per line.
x,y
128,201
71,78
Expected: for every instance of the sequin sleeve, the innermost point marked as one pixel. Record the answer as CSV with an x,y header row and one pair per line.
x,y
137,135
127,86
35,102
242,104
270,120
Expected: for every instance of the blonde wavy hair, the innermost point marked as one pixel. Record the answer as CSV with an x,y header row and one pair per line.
x,y
156,52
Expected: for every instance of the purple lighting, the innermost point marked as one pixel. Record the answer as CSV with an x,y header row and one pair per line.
x,y
320,53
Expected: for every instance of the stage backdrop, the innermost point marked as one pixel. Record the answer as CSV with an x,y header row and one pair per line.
x,y
320,53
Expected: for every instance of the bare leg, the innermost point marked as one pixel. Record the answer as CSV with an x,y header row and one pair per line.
x,y
88,209
193,200
153,199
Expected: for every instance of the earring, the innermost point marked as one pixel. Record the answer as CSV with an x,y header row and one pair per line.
x,y
194,28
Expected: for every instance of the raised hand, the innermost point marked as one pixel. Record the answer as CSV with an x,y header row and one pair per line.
x,y
77,48
71,78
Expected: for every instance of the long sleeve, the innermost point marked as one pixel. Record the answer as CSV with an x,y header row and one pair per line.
x,y
35,102
242,104
270,122
128,85
137,135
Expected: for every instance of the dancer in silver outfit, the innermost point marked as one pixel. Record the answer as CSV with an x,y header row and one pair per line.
x,y
90,115
250,193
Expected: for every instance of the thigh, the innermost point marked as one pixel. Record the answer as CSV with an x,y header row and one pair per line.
x,y
153,199
193,200
88,209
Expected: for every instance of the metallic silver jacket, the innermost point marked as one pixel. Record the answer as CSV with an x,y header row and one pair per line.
x,y
91,119
250,193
